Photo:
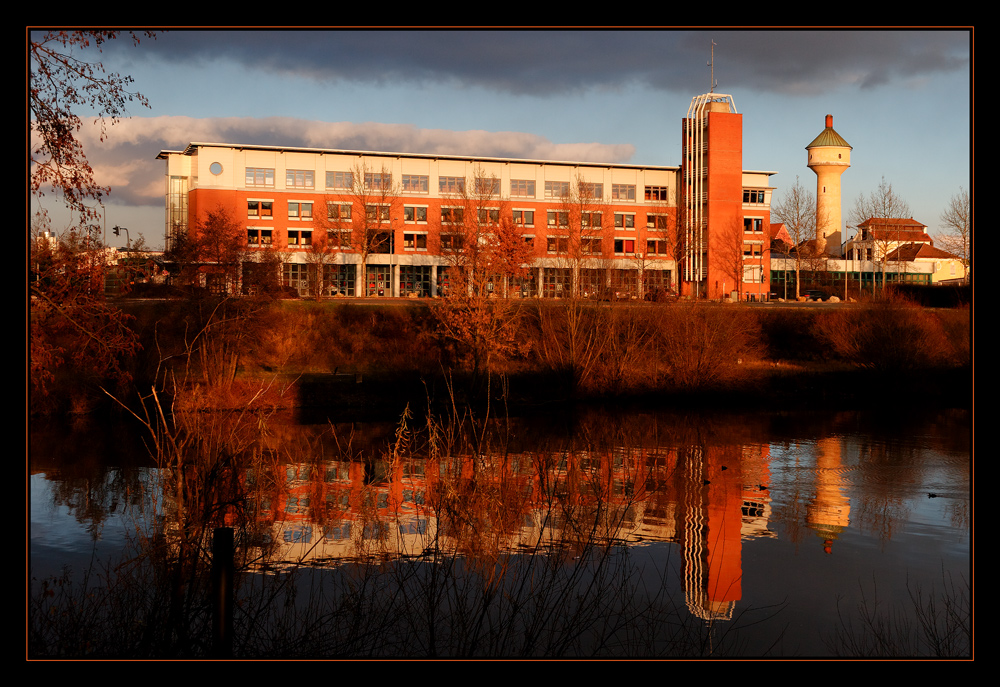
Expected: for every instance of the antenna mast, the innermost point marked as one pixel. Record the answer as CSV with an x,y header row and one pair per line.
x,y
711,64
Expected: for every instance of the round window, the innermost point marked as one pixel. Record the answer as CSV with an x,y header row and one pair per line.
x,y
216,168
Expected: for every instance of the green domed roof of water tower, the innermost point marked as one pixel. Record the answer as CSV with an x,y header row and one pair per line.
x,y
828,137
829,150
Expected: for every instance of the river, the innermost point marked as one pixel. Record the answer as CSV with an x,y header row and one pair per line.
x,y
759,534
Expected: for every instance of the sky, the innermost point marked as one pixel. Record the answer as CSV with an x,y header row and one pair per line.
x,y
901,98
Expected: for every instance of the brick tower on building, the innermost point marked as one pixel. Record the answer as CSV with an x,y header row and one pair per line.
x,y
712,189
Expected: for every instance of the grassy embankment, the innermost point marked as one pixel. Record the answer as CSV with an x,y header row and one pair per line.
x,y
371,357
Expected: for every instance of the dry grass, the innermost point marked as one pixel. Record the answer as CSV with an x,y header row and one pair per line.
x,y
893,335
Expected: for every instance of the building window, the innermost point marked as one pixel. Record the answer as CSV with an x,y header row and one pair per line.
x,y
413,213
299,237
340,279
656,193
656,222
622,191
657,279
377,212
451,184
377,181
556,189
416,183
452,215
656,247
489,216
258,237
753,225
340,180
753,196
338,239
557,283
557,244
624,246
591,282
260,208
298,534
487,186
415,279
590,191
415,241
624,221
299,178
338,212
299,210
524,217
452,242
590,246
555,218
522,188
260,176
591,220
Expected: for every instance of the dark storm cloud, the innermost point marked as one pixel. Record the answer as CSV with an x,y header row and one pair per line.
x,y
540,62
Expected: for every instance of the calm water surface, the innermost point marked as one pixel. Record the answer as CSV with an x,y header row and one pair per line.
x,y
791,518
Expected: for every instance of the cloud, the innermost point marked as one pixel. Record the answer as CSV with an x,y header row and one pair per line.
x,y
549,63
126,160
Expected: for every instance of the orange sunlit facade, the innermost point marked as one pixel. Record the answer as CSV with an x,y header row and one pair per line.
x,y
590,229
725,210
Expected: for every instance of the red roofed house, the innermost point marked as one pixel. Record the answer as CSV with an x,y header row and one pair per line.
x,y
878,236
946,267
901,242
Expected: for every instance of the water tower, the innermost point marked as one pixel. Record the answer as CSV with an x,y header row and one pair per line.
x,y
829,157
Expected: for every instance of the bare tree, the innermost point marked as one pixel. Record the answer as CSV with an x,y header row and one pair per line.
x,y
957,220
586,220
72,327
660,240
216,246
318,254
796,209
480,239
61,79
360,220
733,253
881,204
485,252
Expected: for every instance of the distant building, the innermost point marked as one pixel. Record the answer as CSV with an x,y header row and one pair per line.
x,y
883,249
945,267
879,236
700,229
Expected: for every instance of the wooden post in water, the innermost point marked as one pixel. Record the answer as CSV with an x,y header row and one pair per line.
x,y
222,592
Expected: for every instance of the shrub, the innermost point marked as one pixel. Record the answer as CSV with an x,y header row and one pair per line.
x,y
887,335
702,345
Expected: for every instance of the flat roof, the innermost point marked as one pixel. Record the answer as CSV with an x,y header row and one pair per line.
x,y
189,150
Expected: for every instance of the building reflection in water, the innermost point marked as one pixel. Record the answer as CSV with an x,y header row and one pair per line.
x,y
704,496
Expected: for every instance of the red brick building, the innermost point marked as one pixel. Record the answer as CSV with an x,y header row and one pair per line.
x,y
392,224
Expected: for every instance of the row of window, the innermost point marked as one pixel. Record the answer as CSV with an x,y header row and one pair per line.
x,y
258,209
420,183
417,241
417,279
